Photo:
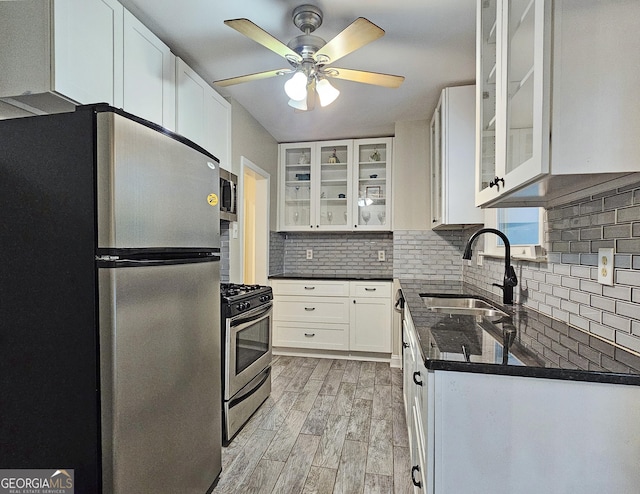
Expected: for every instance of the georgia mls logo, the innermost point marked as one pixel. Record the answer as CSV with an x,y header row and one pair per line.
x,y
32,481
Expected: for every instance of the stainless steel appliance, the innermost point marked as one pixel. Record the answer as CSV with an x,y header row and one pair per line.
x,y
228,196
109,303
246,332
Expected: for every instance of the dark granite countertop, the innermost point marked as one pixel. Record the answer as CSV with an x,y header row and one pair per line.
x,y
537,345
338,276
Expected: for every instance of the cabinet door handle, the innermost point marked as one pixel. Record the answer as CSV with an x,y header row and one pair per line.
x,y
309,335
416,375
405,344
417,483
495,182
309,287
309,308
370,289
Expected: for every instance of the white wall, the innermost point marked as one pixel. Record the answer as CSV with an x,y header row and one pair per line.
x,y
411,176
251,140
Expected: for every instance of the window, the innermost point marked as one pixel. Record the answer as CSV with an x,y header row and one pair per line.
x,y
522,226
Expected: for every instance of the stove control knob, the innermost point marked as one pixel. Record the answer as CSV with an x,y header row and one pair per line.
x,y
247,305
240,306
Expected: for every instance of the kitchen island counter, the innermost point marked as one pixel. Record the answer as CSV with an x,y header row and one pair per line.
x,y
536,345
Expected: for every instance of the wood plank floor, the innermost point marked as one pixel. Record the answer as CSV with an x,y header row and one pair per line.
x,y
329,426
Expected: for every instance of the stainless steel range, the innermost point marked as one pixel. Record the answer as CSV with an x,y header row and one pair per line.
x,y
246,368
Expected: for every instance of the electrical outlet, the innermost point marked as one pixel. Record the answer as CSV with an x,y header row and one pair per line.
x,y
605,266
381,256
309,253
479,258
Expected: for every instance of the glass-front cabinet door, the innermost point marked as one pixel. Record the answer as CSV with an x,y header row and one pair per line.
x,y
297,209
523,90
335,165
372,184
486,112
513,74
340,185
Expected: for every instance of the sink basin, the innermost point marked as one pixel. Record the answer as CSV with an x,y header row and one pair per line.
x,y
461,305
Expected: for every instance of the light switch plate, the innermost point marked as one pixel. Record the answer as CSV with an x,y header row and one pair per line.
x,y
605,266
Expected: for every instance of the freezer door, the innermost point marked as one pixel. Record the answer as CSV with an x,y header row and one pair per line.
x,y
160,378
153,191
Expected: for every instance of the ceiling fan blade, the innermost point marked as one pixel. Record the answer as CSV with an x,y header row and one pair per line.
x,y
252,77
259,35
354,36
375,78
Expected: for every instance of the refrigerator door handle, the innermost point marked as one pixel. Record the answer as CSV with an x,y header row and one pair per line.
x,y
120,262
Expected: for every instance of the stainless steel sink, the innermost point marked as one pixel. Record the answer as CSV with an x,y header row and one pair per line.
x,y
461,305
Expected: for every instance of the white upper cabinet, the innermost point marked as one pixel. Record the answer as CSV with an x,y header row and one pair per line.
x,y
372,184
582,55
453,159
315,186
335,185
57,53
202,115
149,74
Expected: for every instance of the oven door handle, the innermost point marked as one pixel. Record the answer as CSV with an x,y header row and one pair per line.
x,y
252,315
251,388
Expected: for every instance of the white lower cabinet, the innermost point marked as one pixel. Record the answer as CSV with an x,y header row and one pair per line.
x,y
416,386
370,317
332,315
501,434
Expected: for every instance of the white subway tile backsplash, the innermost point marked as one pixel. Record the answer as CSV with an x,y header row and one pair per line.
x,y
602,331
564,287
574,233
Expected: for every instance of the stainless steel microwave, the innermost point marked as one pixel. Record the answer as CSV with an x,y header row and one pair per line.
x,y
228,196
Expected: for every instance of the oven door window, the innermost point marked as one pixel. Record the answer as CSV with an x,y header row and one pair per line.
x,y
251,344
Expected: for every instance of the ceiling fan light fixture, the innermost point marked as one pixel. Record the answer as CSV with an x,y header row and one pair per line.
x,y
326,92
296,87
299,104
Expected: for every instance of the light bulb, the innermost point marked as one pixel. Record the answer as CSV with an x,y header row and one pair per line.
x,y
326,92
296,87
299,105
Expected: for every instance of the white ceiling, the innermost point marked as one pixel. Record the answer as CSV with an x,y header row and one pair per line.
x,y
430,42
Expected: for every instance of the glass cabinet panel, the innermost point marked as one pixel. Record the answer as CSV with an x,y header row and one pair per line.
x,y
297,187
335,194
487,72
521,43
372,183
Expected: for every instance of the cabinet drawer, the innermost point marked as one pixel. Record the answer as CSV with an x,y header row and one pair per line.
x,y
370,289
305,335
334,310
316,288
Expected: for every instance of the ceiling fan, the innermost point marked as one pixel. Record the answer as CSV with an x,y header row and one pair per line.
x,y
310,57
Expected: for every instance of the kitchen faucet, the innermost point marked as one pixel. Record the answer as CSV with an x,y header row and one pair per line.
x,y
510,279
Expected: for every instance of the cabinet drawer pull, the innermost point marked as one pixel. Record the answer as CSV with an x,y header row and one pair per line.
x,y
370,289
309,335
416,375
417,483
309,308
309,287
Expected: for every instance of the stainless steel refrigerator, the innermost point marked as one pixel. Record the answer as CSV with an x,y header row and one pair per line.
x,y
109,303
